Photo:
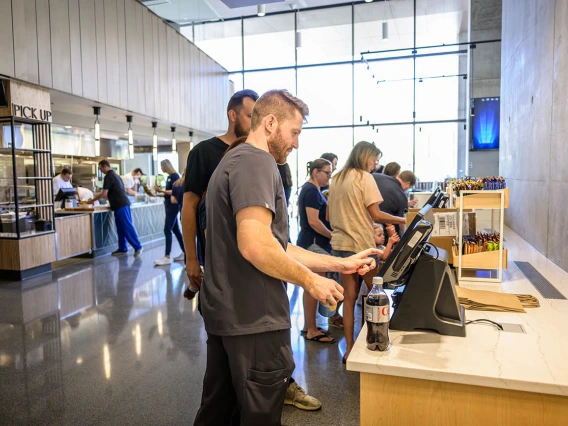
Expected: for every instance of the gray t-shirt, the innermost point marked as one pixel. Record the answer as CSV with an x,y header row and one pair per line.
x,y
237,298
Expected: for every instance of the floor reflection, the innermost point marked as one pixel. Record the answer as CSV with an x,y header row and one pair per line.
x,y
113,341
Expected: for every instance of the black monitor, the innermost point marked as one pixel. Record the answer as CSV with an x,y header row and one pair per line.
x,y
3,97
433,197
419,216
407,251
438,201
65,194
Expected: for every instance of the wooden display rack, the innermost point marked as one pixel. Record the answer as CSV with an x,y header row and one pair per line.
x,y
489,260
483,199
483,260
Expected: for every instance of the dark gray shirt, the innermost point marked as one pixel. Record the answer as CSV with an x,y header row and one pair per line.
x,y
394,198
237,298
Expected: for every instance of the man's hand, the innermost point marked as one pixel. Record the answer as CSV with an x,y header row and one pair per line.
x,y
193,272
412,203
360,262
325,290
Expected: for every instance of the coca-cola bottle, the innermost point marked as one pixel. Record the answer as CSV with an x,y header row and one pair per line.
x,y
377,315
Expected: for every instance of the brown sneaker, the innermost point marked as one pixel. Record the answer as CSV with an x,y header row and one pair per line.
x,y
335,321
297,397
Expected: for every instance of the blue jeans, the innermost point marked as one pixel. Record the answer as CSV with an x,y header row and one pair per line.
x,y
125,229
172,225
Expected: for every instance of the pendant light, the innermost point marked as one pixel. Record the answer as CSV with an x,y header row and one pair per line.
x,y
385,30
155,141
97,112
174,142
190,140
130,137
385,25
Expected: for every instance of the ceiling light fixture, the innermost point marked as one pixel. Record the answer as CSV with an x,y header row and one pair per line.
x,y
261,10
155,141
174,142
385,25
368,1
97,112
190,140
130,137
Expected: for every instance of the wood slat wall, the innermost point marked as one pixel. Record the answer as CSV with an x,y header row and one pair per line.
x,y
115,52
44,188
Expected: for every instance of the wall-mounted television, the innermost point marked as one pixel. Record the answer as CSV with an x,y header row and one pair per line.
x,y
485,123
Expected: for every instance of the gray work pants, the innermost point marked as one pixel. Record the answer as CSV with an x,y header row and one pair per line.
x,y
246,379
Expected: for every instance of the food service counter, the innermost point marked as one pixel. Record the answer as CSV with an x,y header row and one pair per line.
x,y
489,377
95,226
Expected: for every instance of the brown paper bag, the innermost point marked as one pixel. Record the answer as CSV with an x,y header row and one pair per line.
x,y
483,300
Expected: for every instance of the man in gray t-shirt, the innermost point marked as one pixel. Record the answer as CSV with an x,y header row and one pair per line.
x,y
243,296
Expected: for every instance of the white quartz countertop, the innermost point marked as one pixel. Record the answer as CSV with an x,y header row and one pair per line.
x,y
534,362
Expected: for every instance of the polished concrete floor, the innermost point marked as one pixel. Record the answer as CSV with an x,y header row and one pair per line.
x,y
112,341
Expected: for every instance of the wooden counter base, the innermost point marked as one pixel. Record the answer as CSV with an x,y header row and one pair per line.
x,y
390,400
74,235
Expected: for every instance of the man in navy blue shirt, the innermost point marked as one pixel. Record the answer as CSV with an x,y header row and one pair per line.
x,y
393,191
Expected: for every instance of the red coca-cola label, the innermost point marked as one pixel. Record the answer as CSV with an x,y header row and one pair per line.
x,y
377,314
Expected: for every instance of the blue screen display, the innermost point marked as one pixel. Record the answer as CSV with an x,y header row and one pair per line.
x,y
485,133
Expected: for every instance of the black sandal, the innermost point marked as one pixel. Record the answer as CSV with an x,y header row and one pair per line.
x,y
319,338
321,330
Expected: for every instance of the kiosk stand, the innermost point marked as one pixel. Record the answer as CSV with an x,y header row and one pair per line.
x,y
426,297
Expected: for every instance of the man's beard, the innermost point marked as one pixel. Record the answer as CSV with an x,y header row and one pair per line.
x,y
277,147
239,130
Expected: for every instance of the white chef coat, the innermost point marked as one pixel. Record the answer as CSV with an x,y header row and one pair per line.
x,y
129,181
85,195
59,183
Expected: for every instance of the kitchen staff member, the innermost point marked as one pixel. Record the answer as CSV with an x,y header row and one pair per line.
x,y
83,194
131,181
62,180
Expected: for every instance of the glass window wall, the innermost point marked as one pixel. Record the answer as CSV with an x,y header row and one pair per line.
x,y
394,79
328,91
263,81
325,35
269,41
222,41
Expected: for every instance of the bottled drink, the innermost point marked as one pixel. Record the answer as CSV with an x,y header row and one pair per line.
x,y
377,315
191,291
